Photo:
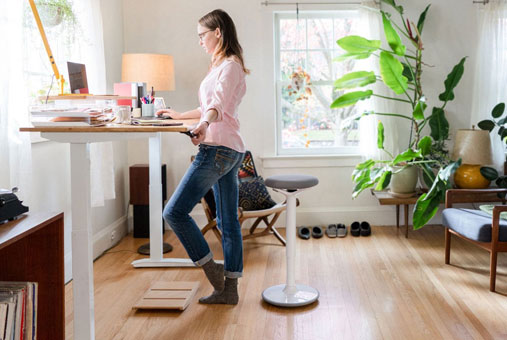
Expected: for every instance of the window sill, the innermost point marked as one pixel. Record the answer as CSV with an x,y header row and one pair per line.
x,y
310,161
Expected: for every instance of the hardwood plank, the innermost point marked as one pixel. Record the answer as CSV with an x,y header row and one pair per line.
x,y
379,287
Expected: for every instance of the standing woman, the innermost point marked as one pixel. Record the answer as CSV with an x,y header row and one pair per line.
x,y
221,151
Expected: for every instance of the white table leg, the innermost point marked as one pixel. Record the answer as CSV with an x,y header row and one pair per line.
x,y
156,256
82,256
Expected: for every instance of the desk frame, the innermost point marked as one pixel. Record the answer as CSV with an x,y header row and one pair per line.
x,y
82,254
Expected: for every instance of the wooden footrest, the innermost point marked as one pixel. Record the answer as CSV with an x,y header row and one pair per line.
x,y
168,295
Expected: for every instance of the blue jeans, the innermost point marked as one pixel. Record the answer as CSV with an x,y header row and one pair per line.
x,y
214,167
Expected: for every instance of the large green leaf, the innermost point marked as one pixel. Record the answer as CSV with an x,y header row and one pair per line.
x,y
498,110
424,145
351,98
391,71
392,37
407,72
380,136
355,79
422,17
392,3
428,175
356,55
365,184
357,44
489,173
424,210
406,156
486,124
439,124
418,113
452,80
384,181
445,173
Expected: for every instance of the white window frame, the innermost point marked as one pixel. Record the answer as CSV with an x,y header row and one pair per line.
x,y
344,150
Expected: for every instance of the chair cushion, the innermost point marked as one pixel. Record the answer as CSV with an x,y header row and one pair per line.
x,y
292,181
247,170
473,224
253,195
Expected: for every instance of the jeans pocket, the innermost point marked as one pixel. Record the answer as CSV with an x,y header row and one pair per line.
x,y
225,159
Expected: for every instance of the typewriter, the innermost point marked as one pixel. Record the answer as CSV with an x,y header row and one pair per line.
x,y
10,205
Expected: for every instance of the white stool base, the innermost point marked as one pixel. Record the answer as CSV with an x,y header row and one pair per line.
x,y
284,296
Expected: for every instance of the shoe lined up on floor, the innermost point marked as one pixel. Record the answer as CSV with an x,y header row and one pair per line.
x,y
363,229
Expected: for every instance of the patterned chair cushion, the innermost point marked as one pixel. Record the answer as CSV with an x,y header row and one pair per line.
x,y
473,224
253,195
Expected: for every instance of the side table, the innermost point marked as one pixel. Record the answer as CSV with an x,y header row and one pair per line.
x,y
385,198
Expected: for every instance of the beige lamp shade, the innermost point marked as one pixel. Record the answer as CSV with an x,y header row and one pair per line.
x,y
473,147
156,70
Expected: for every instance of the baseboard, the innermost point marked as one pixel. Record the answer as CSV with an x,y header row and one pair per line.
x,y
103,240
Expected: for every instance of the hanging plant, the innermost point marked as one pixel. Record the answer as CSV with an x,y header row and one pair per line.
x,y
300,87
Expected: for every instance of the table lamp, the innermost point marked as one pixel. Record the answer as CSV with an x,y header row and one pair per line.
x,y
156,70
474,149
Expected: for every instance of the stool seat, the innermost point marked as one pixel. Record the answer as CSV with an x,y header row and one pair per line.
x,y
291,182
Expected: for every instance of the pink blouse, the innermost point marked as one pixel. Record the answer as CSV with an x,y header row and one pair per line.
x,y
222,89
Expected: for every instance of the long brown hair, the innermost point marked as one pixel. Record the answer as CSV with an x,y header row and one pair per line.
x,y
228,44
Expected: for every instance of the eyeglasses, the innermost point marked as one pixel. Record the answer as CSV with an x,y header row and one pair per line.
x,y
201,35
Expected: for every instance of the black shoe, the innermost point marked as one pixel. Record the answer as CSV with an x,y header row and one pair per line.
x,y
304,233
365,229
317,232
355,229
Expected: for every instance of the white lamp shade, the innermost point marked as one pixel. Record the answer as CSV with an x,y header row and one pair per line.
x,y
473,147
156,70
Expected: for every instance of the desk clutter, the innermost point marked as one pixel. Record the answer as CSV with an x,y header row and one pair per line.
x,y
81,110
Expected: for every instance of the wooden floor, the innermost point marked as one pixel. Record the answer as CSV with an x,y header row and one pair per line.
x,y
378,287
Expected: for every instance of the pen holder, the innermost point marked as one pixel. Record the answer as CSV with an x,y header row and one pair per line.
x,y
147,110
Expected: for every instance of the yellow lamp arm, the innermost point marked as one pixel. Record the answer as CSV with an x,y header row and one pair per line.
x,y
59,77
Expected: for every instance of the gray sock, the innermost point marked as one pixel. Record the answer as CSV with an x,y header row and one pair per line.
x,y
229,296
215,274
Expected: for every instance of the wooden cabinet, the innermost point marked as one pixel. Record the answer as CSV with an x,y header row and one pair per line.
x,y
31,249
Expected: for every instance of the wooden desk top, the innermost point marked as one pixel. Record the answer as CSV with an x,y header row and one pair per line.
x,y
188,124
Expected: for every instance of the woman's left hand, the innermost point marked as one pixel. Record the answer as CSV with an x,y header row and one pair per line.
x,y
199,133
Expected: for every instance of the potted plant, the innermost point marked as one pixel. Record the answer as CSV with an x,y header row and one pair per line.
x,y
400,71
490,124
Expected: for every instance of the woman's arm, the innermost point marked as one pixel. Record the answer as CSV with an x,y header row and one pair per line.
x,y
200,130
179,115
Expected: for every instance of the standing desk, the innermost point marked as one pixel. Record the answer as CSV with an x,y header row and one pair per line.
x,y
79,139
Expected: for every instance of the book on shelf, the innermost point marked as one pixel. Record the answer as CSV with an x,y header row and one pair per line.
x,y
20,319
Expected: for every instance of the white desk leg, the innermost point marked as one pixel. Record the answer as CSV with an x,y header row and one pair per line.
x,y
156,257
82,257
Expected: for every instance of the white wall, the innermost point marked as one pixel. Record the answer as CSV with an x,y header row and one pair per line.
x,y
449,34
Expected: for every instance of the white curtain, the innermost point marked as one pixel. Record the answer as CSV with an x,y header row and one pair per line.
x,y
491,70
15,147
371,28
89,15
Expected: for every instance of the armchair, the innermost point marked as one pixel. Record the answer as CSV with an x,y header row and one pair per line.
x,y
486,231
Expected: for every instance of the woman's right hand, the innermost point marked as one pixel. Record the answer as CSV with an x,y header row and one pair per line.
x,y
168,113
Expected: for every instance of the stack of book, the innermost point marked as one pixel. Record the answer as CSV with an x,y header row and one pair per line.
x,y
18,310
86,116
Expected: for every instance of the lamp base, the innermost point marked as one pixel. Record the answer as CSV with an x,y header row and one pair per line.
x,y
469,176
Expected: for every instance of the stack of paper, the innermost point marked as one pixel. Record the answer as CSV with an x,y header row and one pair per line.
x,y
87,116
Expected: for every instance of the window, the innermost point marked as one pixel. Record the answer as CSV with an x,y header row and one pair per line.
x,y
65,38
305,73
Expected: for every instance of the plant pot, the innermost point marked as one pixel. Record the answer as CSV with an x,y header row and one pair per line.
x,y
50,14
404,182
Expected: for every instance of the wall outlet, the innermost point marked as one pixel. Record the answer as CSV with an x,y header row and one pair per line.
x,y
113,235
